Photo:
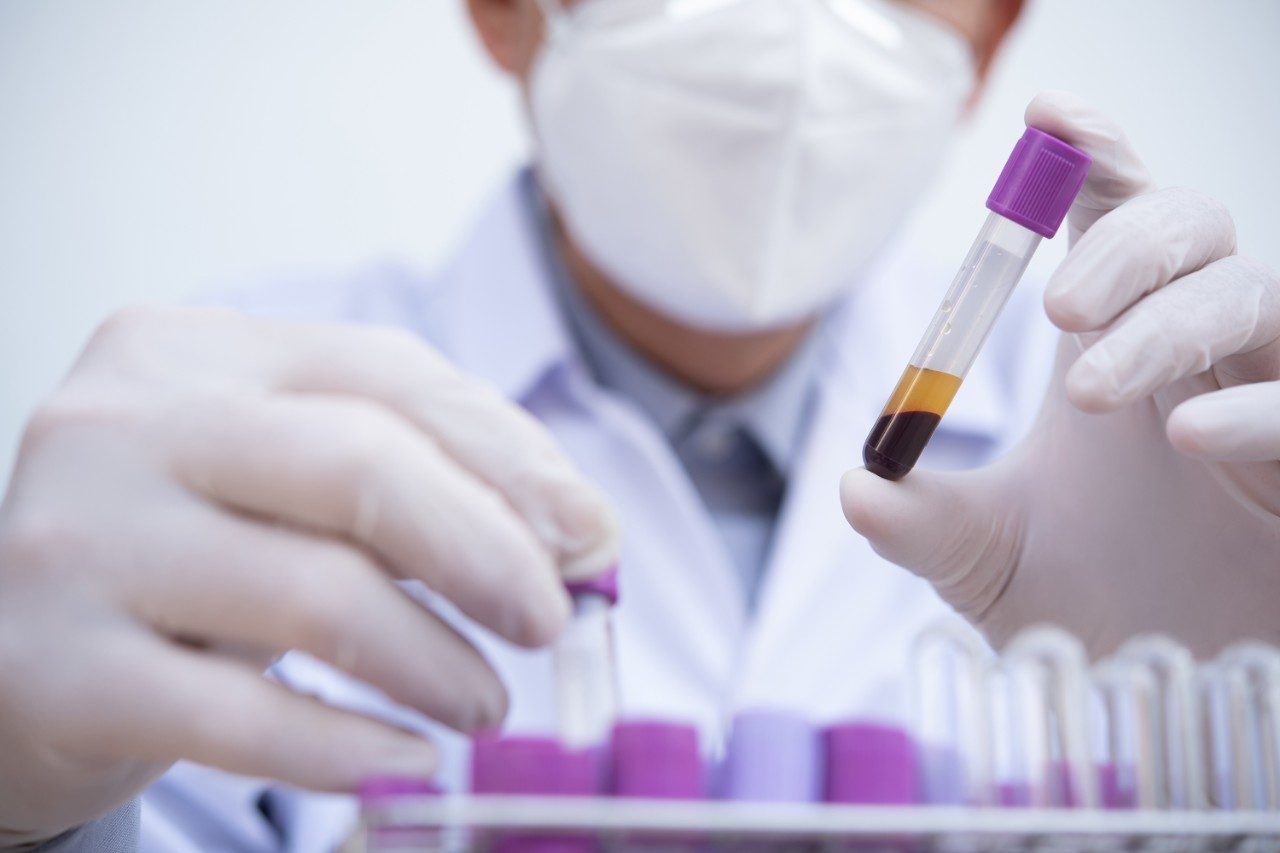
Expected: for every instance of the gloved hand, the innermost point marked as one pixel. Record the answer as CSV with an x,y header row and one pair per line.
x,y
1146,497
206,491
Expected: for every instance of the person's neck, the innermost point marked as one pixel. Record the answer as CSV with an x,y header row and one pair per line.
x,y
709,362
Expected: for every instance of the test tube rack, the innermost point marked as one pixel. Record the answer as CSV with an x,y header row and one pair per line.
x,y
465,822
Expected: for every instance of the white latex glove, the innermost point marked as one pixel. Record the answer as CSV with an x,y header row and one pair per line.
x,y
1146,497
206,491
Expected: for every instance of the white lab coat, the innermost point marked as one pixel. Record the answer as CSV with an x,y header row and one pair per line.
x,y
834,621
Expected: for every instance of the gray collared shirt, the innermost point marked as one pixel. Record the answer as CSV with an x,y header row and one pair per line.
x,y
738,451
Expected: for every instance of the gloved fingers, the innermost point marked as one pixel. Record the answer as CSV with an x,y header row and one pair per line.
x,y
940,526
234,582
1240,424
183,704
1117,173
484,433
1231,306
353,469
1135,250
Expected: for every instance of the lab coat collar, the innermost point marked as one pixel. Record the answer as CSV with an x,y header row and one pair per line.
x,y
503,324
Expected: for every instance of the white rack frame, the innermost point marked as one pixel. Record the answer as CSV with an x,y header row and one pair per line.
x,y
816,822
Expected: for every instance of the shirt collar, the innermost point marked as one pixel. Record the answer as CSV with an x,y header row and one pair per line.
x,y
778,412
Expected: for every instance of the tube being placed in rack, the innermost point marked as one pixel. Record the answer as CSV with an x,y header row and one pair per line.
x,y
585,678
1032,196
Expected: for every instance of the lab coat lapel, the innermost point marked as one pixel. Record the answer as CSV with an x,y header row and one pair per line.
x,y
811,598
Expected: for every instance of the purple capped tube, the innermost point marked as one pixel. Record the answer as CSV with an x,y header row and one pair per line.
x,y
872,764
538,767
658,760
772,756
1032,196
585,679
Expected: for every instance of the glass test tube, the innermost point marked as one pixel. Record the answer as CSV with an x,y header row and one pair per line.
x,y
1250,673
1058,664
1126,693
1179,763
1227,735
1018,694
1032,196
585,680
948,668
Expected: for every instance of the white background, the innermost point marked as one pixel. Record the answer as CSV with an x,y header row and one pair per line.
x,y
151,148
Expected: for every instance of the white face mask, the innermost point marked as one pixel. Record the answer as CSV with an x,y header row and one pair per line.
x,y
736,163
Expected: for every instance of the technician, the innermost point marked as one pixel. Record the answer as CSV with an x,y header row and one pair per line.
x,y
678,325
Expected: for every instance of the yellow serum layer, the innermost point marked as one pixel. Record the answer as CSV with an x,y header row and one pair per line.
x,y
923,390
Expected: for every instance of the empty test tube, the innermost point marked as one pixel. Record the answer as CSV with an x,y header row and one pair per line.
x,y
1019,734
1057,661
1249,674
586,685
1032,196
1128,728
1179,763
949,663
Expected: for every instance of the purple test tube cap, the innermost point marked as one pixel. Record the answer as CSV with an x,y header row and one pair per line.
x,y
870,763
657,759
772,756
1039,182
533,766
604,585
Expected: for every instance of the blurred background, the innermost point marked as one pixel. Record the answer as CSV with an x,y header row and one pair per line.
x,y
153,148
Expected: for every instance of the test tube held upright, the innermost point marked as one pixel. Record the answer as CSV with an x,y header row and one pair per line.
x,y
1032,196
585,677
